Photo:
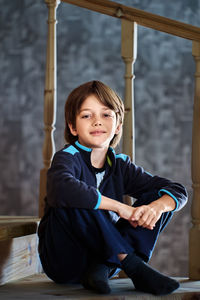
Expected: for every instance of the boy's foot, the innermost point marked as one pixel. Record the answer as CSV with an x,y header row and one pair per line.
x,y
96,279
146,279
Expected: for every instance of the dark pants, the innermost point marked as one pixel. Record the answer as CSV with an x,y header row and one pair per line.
x,y
72,237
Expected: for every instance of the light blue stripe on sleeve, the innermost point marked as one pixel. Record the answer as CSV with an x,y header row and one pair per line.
x,y
170,194
98,201
149,173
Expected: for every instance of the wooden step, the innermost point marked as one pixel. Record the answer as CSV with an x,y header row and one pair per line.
x,y
18,248
41,288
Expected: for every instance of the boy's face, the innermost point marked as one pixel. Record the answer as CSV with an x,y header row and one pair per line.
x,y
96,124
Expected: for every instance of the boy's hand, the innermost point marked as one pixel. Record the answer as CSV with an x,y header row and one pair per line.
x,y
145,216
125,211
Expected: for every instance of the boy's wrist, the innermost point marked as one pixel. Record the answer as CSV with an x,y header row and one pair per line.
x,y
118,207
110,204
158,205
164,203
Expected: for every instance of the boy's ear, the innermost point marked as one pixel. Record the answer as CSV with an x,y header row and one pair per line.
x,y
72,129
118,128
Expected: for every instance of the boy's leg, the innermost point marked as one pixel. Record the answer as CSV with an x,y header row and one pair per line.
x,y
74,238
144,277
63,257
96,277
143,240
90,231
147,279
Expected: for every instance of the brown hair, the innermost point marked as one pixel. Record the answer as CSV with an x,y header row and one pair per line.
x,y
105,95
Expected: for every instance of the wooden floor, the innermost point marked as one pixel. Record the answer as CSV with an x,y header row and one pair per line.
x,y
39,287
18,258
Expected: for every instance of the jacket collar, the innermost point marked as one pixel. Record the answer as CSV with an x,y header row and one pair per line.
x,y
83,147
86,154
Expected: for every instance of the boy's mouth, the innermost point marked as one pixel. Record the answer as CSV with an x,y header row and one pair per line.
x,y
97,132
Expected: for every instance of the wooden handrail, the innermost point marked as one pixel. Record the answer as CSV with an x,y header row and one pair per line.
x,y
141,17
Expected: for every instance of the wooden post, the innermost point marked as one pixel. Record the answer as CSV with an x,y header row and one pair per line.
x,y
49,99
194,240
129,53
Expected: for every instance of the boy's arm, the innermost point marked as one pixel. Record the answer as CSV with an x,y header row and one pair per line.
x,y
65,187
144,215
137,182
123,210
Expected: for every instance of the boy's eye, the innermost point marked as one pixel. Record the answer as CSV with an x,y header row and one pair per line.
x,y
86,116
108,115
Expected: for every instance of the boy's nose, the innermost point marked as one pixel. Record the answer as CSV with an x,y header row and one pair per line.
x,y
97,123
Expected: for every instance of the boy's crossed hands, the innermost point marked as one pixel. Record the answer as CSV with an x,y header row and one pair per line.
x,y
144,215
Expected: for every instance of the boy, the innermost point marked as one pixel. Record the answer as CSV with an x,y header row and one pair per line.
x,y
87,231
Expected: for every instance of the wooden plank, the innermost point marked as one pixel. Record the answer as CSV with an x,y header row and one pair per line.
x,y
18,258
42,288
141,17
11,227
18,218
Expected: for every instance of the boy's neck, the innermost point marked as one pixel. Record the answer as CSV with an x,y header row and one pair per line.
x,y
98,157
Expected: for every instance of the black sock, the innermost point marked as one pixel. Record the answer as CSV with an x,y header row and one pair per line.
x,y
145,278
96,278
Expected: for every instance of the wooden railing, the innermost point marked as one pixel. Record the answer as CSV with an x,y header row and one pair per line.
x,y
130,18
141,17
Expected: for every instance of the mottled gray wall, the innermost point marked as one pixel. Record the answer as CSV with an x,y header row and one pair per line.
x,y
89,48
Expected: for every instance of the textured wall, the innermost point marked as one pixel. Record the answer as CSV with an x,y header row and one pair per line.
x,y
89,48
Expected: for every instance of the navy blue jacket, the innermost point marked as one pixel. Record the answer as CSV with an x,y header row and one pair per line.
x,y
71,180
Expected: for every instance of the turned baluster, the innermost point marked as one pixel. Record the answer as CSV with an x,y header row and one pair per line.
x,y
194,238
129,53
49,99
